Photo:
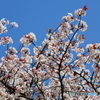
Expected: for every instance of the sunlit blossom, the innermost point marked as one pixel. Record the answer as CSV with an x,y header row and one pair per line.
x,y
54,69
69,18
14,24
28,39
80,12
6,40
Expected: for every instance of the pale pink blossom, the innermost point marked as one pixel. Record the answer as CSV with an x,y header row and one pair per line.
x,y
14,24
81,38
69,18
60,65
11,50
28,39
64,26
3,29
4,22
83,26
80,12
6,40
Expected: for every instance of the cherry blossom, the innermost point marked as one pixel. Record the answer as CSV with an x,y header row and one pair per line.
x,y
4,23
57,70
81,12
3,28
28,39
14,24
69,18
6,40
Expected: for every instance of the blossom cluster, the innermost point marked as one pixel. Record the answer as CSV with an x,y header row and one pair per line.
x,y
4,23
28,39
53,69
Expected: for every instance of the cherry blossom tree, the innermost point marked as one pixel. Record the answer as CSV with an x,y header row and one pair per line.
x,y
55,69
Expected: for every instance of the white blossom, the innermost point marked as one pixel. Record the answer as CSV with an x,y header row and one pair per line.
x,y
80,12
3,29
6,40
14,24
69,18
28,39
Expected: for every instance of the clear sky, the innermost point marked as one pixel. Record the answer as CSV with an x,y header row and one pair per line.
x,y
39,15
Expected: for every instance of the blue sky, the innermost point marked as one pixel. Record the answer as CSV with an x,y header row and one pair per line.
x,y
39,15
